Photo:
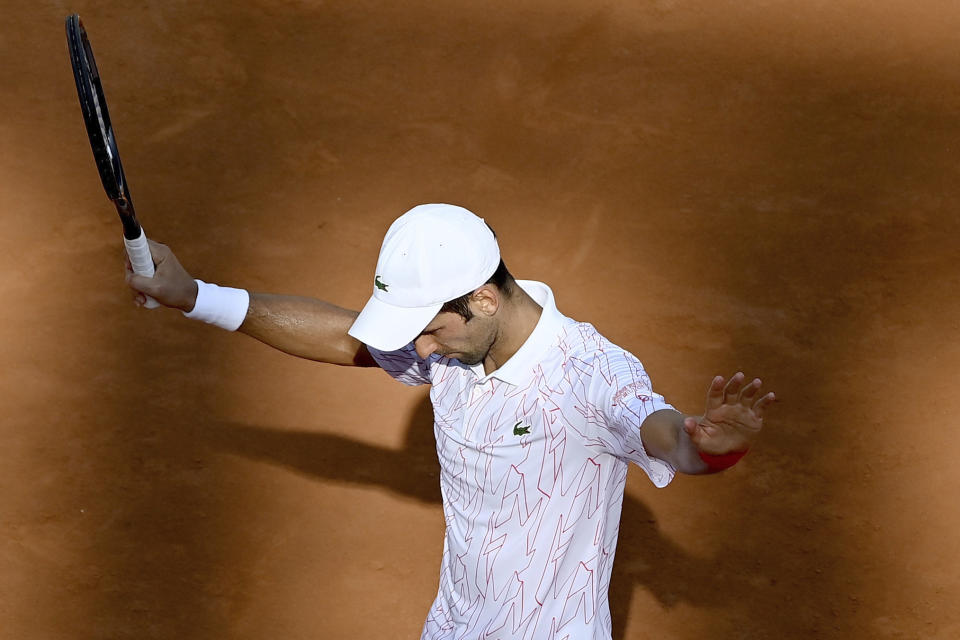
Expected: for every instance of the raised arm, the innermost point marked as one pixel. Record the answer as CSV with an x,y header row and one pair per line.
x,y
715,440
303,327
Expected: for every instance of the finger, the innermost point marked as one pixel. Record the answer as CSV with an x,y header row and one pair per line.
x,y
140,284
696,430
158,250
715,393
764,402
749,393
732,390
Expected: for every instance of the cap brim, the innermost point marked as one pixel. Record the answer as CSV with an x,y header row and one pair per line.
x,y
388,328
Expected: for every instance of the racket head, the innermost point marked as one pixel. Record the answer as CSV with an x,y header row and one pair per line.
x,y
96,117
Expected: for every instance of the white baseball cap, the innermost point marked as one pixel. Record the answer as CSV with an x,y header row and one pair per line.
x,y
432,254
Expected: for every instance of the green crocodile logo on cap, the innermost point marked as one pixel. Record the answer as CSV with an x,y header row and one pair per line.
x,y
380,285
520,431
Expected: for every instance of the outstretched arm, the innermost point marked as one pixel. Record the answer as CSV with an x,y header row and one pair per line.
x,y
704,444
303,327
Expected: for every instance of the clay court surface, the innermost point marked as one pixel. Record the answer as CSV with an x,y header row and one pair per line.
x,y
761,185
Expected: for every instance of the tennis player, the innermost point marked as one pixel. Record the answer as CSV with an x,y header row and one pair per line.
x,y
537,417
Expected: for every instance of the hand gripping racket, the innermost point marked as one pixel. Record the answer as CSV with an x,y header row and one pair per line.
x,y
93,104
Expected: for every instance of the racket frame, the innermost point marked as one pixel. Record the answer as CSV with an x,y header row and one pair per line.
x,y
96,117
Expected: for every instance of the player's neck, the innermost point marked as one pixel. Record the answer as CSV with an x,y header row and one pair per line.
x,y
520,315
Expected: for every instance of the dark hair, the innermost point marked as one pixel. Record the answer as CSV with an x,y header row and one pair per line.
x,y
461,306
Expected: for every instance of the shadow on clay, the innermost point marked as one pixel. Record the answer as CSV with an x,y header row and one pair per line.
x,y
645,558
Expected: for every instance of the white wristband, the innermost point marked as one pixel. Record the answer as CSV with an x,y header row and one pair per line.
x,y
224,307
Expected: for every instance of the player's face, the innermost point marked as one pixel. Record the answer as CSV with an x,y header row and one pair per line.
x,y
451,336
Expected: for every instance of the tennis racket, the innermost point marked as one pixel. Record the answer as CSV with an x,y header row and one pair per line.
x,y
93,104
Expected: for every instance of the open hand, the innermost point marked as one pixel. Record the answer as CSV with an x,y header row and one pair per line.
x,y
733,417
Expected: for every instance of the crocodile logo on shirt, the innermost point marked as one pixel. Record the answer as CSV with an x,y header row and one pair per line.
x,y
380,285
520,430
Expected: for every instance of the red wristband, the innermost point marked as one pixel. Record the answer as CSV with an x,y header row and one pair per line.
x,y
723,461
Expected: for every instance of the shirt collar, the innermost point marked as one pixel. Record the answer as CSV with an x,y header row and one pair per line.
x,y
515,370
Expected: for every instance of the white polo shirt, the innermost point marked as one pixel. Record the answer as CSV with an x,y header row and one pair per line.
x,y
533,462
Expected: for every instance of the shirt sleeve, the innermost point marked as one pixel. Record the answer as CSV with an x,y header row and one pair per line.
x,y
404,365
624,398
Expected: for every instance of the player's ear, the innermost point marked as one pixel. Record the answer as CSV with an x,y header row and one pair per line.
x,y
486,300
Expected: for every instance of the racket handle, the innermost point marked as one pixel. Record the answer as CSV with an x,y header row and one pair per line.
x,y
142,261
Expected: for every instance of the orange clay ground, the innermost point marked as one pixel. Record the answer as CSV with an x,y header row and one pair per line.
x,y
761,185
